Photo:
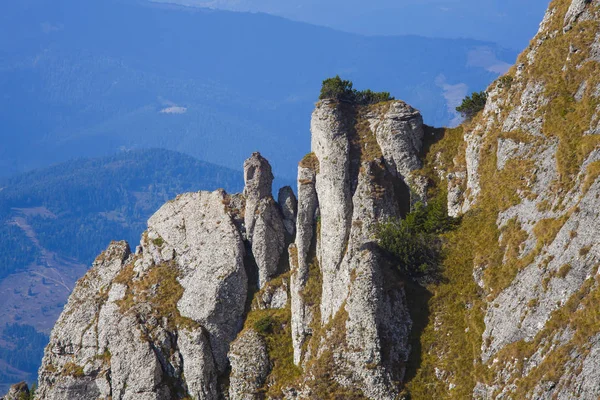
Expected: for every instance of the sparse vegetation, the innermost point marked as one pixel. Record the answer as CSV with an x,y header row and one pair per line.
x,y
160,288
73,370
275,327
342,90
564,271
505,81
310,161
265,325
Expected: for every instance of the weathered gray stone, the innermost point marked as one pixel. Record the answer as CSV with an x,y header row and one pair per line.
x,y
250,366
289,208
300,258
352,199
263,219
112,342
399,133
331,146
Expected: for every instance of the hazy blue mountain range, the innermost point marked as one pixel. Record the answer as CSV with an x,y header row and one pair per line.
x,y
54,221
90,78
508,22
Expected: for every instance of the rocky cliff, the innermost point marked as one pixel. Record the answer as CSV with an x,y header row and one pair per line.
x,y
242,296
518,315
245,297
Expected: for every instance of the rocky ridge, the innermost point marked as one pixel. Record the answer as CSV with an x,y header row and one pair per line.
x,y
213,304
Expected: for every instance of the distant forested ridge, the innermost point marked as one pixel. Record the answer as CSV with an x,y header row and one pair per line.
x,y
213,84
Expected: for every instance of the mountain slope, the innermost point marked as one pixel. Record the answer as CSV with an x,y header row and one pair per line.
x,y
518,316
213,84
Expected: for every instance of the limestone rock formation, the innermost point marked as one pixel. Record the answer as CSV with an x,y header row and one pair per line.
x,y
172,320
300,254
289,208
525,176
354,185
250,366
135,325
263,219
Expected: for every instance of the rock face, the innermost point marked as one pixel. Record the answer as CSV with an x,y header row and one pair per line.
x,y
172,321
250,366
352,184
289,208
527,170
137,324
264,223
158,324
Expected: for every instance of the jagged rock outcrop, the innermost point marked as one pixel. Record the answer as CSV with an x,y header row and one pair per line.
x,y
353,184
263,219
300,253
398,128
17,391
289,208
136,325
250,366
171,320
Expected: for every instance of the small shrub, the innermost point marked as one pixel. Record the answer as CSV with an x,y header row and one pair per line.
x,y
342,90
533,303
584,251
310,161
471,105
564,270
265,325
414,242
505,81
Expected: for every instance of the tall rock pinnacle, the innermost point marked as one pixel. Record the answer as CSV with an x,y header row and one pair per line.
x,y
265,230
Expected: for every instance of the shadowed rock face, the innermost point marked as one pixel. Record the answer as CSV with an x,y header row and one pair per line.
x,y
289,208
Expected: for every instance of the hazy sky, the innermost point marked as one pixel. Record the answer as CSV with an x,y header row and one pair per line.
x,y
511,23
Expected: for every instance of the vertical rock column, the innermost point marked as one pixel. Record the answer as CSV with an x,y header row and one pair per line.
x,y
399,133
307,208
264,223
331,145
363,340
